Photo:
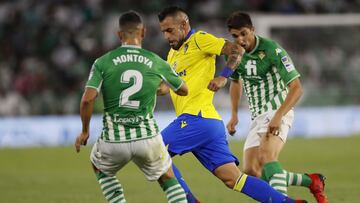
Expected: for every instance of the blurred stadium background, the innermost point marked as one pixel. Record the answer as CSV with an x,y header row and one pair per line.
x,y
48,46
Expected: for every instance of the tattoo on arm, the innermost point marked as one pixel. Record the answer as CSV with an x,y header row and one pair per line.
x,y
234,53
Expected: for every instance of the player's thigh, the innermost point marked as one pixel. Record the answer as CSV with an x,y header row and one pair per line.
x,y
216,152
109,158
253,138
189,132
271,146
262,123
251,164
151,156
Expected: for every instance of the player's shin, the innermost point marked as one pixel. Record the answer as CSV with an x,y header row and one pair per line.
x,y
189,196
111,188
259,190
173,190
275,176
297,179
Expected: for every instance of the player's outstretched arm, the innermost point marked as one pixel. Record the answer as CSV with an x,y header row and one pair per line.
x,y
234,53
183,90
163,89
235,95
86,109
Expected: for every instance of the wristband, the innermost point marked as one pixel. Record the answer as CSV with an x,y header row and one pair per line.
x,y
226,72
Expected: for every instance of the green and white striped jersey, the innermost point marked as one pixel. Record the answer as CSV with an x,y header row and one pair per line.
x,y
128,78
265,71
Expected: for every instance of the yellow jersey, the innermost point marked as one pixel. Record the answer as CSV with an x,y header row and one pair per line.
x,y
194,62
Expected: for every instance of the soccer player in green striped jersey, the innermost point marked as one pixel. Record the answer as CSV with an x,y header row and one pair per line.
x,y
272,86
129,78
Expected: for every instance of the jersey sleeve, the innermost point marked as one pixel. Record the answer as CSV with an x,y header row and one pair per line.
x,y
95,78
284,65
209,43
169,76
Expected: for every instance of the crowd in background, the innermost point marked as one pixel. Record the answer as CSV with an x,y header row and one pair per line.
x,y
48,46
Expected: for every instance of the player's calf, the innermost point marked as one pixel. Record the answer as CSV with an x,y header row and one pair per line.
x,y
111,188
173,190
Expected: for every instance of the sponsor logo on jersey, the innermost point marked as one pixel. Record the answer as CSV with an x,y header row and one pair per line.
x,y
278,51
182,73
131,119
251,67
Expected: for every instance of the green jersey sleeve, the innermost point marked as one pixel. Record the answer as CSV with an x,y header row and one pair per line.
x,y
95,78
284,65
169,76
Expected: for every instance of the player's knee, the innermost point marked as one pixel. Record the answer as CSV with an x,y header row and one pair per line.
x,y
169,174
266,156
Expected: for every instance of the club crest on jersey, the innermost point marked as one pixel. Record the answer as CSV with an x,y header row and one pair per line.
x,y
261,54
186,48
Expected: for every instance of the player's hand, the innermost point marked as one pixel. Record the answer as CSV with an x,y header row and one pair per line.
x,y
231,125
274,125
217,83
81,140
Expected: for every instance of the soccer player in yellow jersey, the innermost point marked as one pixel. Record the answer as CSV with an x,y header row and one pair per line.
x,y
198,127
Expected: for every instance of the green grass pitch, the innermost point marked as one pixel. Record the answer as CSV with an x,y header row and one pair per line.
x,y
60,175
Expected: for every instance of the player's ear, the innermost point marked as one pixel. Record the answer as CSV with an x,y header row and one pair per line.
x,y
252,29
119,35
143,31
183,24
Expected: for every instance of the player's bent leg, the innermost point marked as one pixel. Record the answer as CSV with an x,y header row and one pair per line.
x,y
182,136
228,174
249,185
173,190
110,187
269,150
251,164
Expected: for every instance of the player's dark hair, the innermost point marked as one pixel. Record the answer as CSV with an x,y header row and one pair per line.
x,y
238,20
129,18
170,11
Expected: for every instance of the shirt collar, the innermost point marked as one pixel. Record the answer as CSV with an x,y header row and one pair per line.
x,y
192,31
131,46
256,44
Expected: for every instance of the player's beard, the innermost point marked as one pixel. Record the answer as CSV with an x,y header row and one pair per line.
x,y
179,44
